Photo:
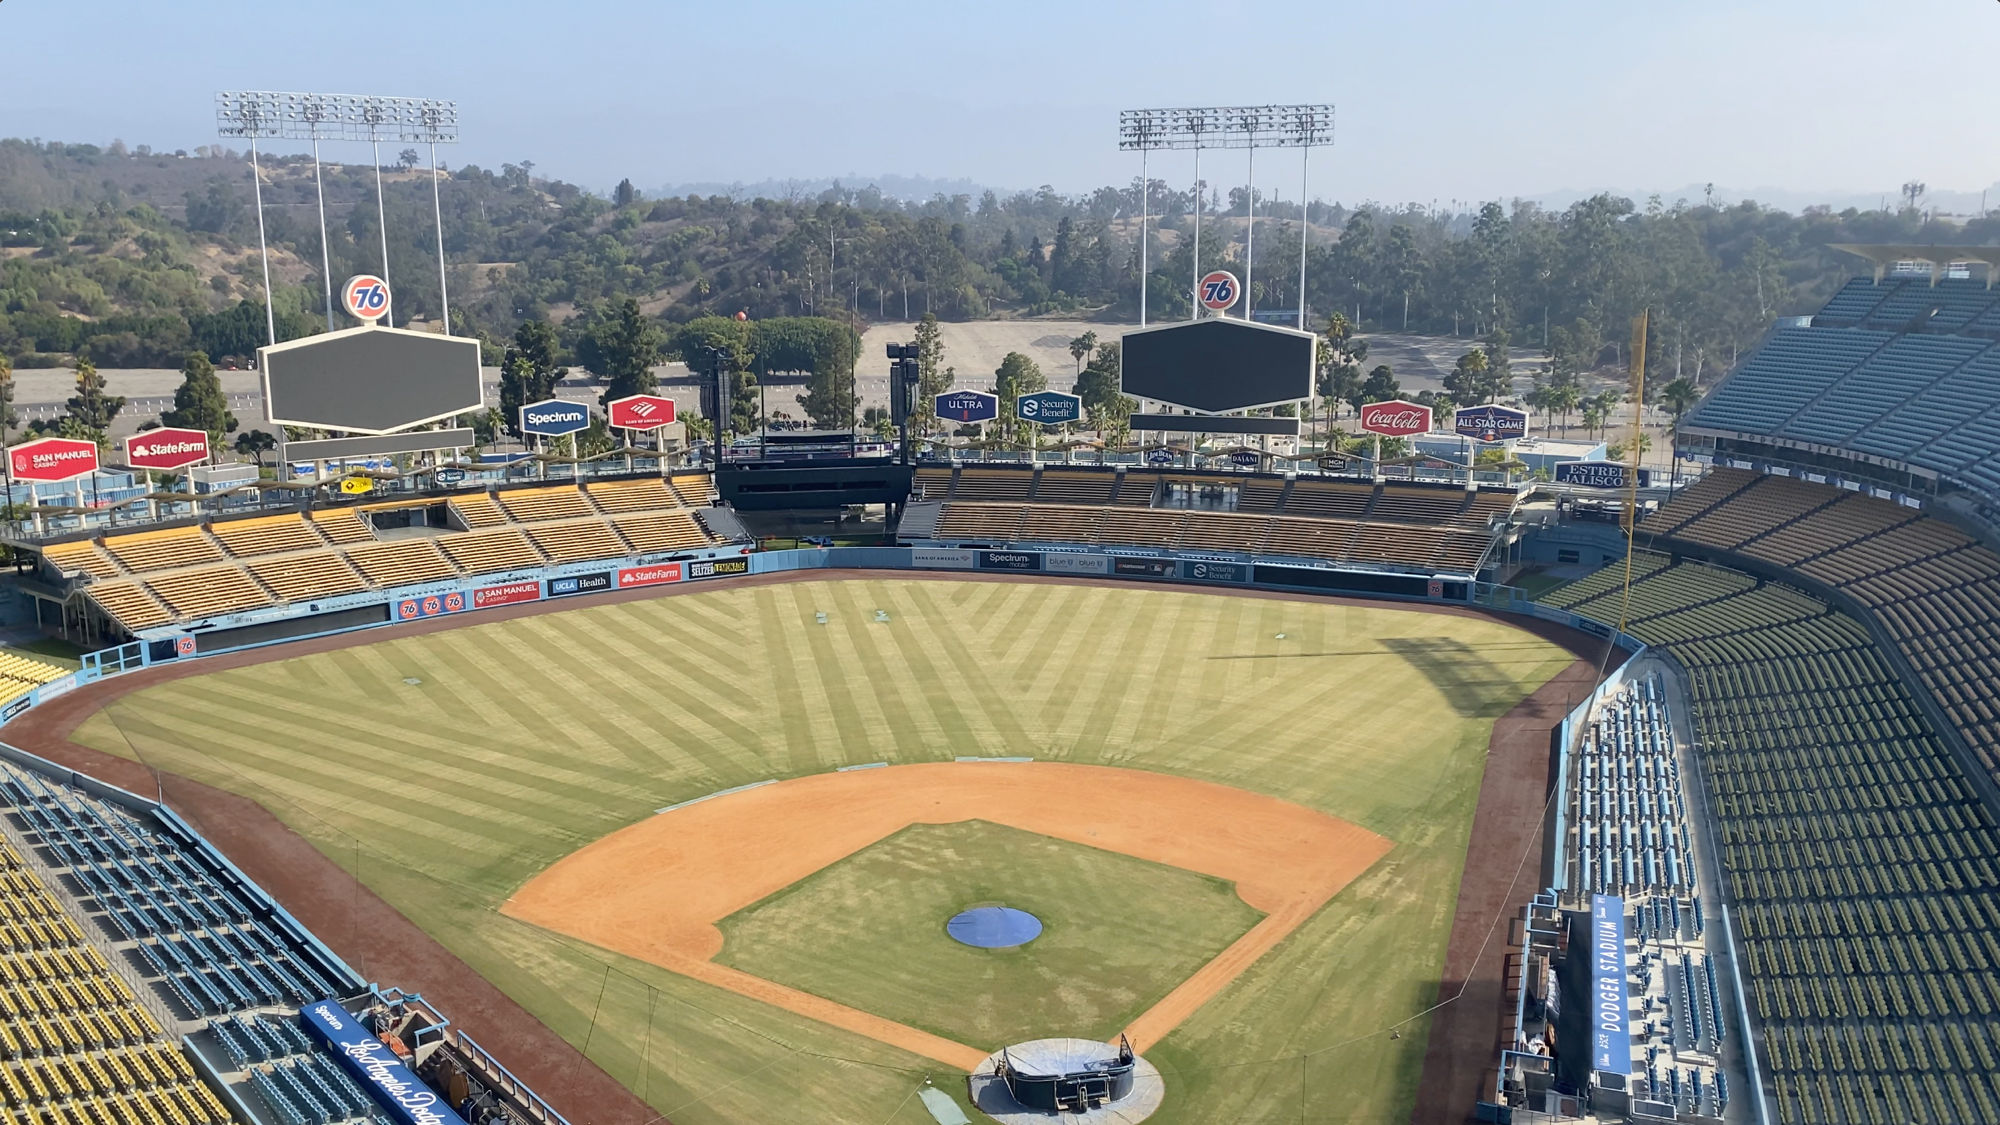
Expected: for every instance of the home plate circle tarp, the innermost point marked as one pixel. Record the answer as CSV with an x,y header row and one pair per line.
x,y
993,927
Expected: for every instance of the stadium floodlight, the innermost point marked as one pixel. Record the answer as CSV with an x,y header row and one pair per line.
x,y
1304,127
253,116
345,117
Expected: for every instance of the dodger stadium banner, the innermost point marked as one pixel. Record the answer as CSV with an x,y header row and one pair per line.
x,y
1610,1011
376,1067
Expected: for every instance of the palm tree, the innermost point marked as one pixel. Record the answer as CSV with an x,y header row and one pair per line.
x,y
1563,398
1080,347
1679,397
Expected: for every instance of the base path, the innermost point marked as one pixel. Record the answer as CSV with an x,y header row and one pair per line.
x,y
655,890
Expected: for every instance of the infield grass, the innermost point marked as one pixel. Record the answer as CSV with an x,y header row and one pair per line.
x,y
524,740
1118,933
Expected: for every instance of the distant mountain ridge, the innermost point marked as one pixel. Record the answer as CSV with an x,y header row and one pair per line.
x,y
916,189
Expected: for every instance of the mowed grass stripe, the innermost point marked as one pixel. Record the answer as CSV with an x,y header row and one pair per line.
x,y
473,781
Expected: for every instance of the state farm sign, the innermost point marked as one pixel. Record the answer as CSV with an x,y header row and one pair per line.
x,y
640,412
166,449
1396,419
52,459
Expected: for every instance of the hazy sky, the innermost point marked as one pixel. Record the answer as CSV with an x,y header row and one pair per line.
x,y
1436,101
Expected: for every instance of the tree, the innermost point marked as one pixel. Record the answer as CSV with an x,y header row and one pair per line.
x,y
931,377
1563,398
1467,380
628,344
1679,397
199,403
90,407
408,158
1381,386
1017,375
528,371
9,417
1107,407
1338,358
254,444
1080,349
625,195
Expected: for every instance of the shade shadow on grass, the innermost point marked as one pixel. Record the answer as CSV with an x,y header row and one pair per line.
x,y
1471,681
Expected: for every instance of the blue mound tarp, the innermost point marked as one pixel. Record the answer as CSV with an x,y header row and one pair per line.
x,y
994,927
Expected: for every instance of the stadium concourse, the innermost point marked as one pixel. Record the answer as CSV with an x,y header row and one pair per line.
x,y
1755,873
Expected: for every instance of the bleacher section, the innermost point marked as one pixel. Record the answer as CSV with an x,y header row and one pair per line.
x,y
1860,860
228,566
1336,521
1930,586
20,675
1903,370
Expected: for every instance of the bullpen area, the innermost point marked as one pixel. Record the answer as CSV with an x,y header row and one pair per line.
x,y
715,839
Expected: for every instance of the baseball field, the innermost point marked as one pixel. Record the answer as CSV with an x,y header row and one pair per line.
x,y
1242,827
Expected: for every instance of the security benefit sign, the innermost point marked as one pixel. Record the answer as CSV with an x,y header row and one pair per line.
x,y
1201,570
1610,1012
967,406
1598,474
1049,408
376,1067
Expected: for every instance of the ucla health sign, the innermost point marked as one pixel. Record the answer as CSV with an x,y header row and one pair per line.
x,y
553,417
1610,1012
377,1068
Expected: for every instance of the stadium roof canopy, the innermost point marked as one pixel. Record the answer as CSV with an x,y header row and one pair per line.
x,y
1939,258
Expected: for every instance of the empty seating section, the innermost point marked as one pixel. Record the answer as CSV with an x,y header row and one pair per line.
x,y
81,556
163,550
1141,527
527,504
1931,587
343,527
993,484
266,536
499,549
1421,505
477,510
933,482
1311,539
1855,300
1904,368
632,495
1861,860
289,1072
1942,427
128,601
578,541
666,531
995,522
401,563
1317,498
208,591
696,490
1075,486
1794,366
194,922
1219,531
20,675
1694,499
1259,494
1058,523
317,574
75,1045
1136,490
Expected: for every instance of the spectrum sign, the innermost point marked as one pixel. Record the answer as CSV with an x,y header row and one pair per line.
x,y
553,417
166,449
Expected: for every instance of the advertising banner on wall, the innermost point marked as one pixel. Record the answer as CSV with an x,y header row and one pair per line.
x,y
967,406
53,459
1396,419
1610,1010
1143,568
936,559
1009,560
553,417
1598,474
1201,570
649,575
580,584
430,605
1489,423
507,593
1065,563
168,448
718,568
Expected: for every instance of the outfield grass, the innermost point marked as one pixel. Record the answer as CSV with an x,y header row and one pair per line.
x,y
1118,933
524,740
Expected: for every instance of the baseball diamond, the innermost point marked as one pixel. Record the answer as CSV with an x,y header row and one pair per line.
x,y
592,828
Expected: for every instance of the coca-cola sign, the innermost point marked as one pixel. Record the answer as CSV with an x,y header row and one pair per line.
x,y
53,459
168,448
1396,418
